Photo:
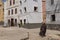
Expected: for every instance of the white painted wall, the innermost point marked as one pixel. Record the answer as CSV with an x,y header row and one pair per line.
x,y
30,15
51,9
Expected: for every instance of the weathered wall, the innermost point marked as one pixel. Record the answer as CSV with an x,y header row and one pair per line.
x,y
1,11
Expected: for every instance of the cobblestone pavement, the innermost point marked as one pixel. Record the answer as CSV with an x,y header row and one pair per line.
x,y
15,33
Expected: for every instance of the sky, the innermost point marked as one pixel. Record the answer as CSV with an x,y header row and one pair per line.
x,y
4,0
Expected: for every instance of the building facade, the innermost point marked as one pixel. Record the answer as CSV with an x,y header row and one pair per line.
x,y
22,12
53,11
1,11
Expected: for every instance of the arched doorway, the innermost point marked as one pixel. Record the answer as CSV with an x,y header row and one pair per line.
x,y
15,22
24,21
12,22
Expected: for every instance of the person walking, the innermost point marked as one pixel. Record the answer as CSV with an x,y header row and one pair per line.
x,y
43,29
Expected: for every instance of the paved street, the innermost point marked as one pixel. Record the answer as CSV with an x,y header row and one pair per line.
x,y
15,33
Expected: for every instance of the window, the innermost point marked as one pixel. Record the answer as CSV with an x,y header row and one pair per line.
x,y
8,12
25,9
58,10
20,2
20,11
25,0
52,2
12,11
13,1
35,9
35,0
15,10
10,2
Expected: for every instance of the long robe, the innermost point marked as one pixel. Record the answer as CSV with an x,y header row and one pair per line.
x,y
43,30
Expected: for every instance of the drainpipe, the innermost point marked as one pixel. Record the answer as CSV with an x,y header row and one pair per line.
x,y
44,10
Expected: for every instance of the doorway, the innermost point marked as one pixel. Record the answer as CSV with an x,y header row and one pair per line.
x,y
21,22
24,21
53,17
8,22
12,22
15,22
